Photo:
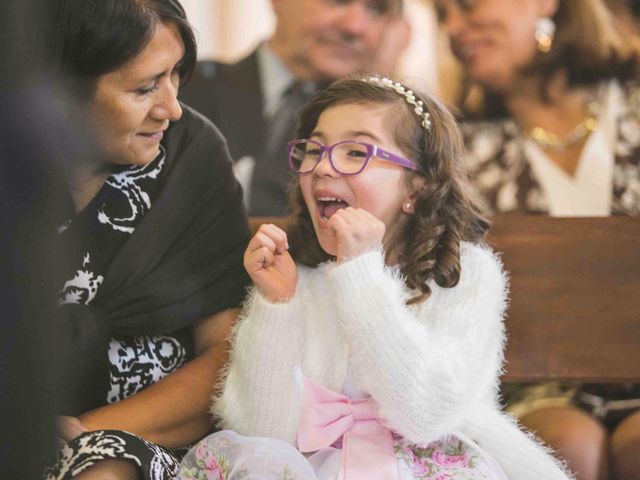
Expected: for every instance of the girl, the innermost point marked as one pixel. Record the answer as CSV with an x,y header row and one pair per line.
x,y
377,353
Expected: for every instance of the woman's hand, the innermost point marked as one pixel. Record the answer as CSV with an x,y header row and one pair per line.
x,y
269,264
357,232
68,428
174,411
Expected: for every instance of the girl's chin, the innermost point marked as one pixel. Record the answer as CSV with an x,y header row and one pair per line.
x,y
327,244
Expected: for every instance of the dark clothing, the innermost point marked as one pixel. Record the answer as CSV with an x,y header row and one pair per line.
x,y
230,95
36,142
159,247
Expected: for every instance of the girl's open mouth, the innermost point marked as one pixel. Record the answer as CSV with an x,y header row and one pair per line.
x,y
327,206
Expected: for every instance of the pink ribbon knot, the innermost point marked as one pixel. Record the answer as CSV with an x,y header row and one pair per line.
x,y
367,446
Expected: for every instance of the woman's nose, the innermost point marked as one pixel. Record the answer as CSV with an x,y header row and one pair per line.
x,y
168,107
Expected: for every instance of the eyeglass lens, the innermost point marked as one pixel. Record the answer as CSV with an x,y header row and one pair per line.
x,y
346,157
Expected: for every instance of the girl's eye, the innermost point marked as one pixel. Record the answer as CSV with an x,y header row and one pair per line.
x,y
357,153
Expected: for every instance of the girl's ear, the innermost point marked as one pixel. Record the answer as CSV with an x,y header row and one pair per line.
x,y
408,207
409,203
548,8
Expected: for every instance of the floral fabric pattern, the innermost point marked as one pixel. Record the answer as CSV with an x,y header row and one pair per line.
x,y
209,466
450,458
226,455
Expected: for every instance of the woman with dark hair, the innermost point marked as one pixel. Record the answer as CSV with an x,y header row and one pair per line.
x,y
552,126
154,237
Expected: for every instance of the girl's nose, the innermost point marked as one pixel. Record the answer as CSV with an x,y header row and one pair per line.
x,y
324,167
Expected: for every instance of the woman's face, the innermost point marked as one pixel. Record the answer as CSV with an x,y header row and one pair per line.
x,y
133,105
494,39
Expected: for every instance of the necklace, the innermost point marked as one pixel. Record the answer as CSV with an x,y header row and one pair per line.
x,y
550,141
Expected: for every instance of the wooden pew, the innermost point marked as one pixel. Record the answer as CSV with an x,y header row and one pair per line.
x,y
575,296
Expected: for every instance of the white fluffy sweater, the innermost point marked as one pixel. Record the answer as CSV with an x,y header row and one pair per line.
x,y
433,368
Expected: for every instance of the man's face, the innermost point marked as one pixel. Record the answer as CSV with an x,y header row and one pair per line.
x,y
328,39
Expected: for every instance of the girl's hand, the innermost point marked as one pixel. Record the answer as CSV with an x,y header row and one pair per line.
x,y
357,232
270,265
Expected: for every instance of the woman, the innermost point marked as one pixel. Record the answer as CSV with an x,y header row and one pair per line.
x,y
553,122
154,238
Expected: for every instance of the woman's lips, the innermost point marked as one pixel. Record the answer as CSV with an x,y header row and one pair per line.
x,y
154,136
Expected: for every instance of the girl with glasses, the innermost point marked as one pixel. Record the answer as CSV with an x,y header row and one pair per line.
x,y
371,345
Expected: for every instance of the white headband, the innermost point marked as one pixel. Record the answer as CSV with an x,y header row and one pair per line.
x,y
408,95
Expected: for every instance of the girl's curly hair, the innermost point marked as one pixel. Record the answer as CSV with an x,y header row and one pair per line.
x,y
427,243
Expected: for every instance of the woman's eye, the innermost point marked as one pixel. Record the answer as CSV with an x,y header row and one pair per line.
x,y
442,11
147,90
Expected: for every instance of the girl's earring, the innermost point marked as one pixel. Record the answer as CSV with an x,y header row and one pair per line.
x,y
545,32
408,207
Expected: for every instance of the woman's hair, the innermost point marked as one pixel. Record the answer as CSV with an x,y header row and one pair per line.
x,y
589,45
428,241
89,38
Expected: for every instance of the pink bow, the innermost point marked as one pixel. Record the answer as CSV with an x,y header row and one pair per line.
x,y
367,446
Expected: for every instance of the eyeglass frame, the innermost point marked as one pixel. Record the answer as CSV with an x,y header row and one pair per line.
x,y
372,151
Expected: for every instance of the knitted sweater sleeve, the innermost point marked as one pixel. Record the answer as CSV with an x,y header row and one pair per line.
x,y
429,366
260,395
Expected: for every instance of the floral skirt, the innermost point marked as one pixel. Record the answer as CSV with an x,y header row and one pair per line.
x,y
154,462
226,455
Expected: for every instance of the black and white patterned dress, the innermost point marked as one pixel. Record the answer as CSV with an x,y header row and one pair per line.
x,y
157,249
98,232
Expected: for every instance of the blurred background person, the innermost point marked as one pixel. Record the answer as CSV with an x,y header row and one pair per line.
x,y
154,233
551,107
255,101
628,13
36,143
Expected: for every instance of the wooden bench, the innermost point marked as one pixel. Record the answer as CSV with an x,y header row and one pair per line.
x,y
575,296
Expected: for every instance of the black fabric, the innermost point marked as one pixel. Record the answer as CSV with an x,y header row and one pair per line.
x,y
231,96
182,263
610,403
271,174
35,143
153,461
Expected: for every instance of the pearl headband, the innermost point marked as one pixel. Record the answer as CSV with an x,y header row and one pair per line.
x,y
416,104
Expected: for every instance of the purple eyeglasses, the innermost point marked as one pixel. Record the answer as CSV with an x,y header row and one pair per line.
x,y
348,157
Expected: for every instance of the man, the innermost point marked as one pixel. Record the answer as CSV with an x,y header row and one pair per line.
x,y
254,102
